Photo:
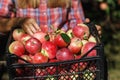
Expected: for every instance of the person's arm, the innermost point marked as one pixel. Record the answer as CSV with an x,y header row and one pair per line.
x,y
6,22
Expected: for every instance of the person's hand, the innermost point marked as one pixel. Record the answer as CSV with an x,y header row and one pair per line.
x,y
30,26
98,27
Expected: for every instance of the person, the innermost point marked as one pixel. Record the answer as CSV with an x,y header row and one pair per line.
x,y
32,15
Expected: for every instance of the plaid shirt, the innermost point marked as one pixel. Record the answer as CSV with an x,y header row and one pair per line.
x,y
44,15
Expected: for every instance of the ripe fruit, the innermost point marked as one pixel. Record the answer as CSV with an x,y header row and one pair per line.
x,y
24,38
62,40
49,49
89,75
84,41
16,47
81,31
17,33
75,45
79,66
92,39
33,46
51,70
69,33
40,58
64,54
41,36
26,58
88,46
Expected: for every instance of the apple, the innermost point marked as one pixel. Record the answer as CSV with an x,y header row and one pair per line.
x,y
33,45
63,75
89,75
64,54
51,70
69,33
41,36
92,39
88,46
81,31
26,58
40,58
49,49
84,41
51,78
53,60
75,45
24,38
74,76
79,65
17,33
17,48
52,37
19,72
40,72
62,40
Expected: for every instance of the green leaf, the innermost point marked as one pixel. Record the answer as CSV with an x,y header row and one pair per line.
x,y
47,37
65,37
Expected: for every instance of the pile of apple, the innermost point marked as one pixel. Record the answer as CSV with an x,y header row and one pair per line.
x,y
59,45
45,47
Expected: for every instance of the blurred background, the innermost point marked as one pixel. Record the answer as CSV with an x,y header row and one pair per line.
x,y
107,14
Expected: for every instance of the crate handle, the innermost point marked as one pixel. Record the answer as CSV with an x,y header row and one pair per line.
x,y
93,31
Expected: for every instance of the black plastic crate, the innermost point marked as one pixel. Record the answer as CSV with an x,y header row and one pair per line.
x,y
86,68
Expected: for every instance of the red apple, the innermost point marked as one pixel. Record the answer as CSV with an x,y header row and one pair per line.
x,y
41,36
62,40
88,46
19,72
49,49
40,72
16,47
64,54
24,38
51,69
80,65
52,37
26,58
92,39
81,31
84,41
53,60
33,45
69,33
17,33
75,45
40,58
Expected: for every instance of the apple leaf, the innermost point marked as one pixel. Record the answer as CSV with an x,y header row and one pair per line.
x,y
47,37
65,37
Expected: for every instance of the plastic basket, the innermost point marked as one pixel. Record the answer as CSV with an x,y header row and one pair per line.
x,y
86,68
